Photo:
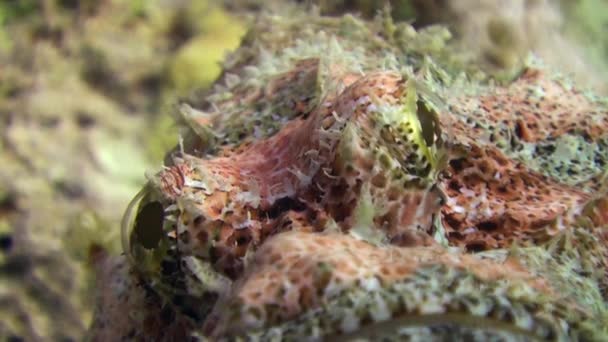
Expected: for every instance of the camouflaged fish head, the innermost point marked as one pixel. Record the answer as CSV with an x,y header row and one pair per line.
x,y
341,183
365,154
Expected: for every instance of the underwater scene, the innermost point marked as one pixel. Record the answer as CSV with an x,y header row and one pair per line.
x,y
303,170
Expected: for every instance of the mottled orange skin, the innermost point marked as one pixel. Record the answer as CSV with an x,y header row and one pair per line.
x,y
288,264
341,194
521,204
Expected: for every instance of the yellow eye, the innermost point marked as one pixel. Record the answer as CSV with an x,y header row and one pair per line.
x,y
427,123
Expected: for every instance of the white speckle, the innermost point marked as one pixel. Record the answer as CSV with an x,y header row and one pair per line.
x,y
458,209
362,100
370,284
350,322
171,208
469,230
467,192
380,311
195,184
303,178
337,117
312,153
432,306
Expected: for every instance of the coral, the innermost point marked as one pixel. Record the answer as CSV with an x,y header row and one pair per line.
x,y
349,178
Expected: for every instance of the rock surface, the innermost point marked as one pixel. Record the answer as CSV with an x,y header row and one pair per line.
x,y
81,89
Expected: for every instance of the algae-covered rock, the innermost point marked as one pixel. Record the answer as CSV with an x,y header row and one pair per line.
x,y
567,34
354,179
81,87
586,22
198,62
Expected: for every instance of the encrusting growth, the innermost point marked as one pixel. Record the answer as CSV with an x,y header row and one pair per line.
x,y
345,180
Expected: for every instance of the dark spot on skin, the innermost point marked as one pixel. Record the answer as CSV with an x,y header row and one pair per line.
x,y
487,225
474,247
198,220
519,130
457,164
451,222
284,204
202,237
243,240
149,225
454,185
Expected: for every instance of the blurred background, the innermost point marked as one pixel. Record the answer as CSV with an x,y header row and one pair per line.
x,y
88,90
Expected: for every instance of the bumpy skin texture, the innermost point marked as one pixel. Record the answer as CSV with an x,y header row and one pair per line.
x,y
347,184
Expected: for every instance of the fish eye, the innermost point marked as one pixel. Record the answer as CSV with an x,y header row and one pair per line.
x,y
142,223
427,123
148,230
